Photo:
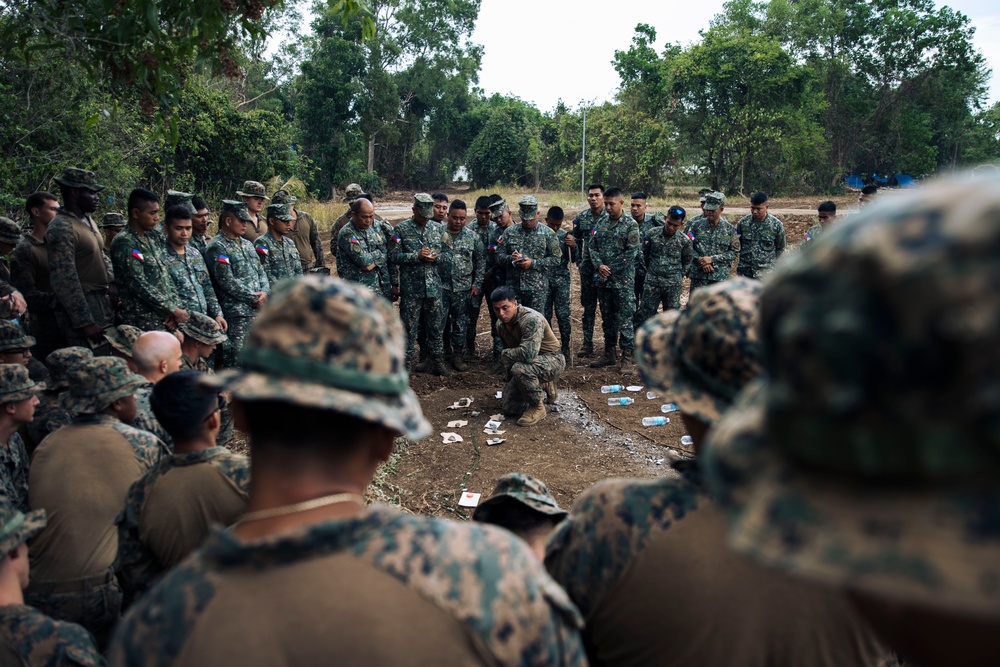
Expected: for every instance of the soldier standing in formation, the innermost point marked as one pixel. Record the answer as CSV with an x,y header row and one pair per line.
x,y
667,254
276,250
827,214
187,269
199,226
715,242
500,216
351,193
584,225
531,251
18,399
484,228
762,239
363,251
254,195
637,208
29,266
462,265
305,233
558,292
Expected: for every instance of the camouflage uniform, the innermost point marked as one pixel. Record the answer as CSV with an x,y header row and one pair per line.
x,y
584,225
50,413
206,330
200,243
667,260
721,243
475,303
361,248
419,282
279,258
138,564
614,243
761,244
532,357
15,385
496,275
461,266
809,237
78,274
523,489
28,637
145,419
540,245
147,291
648,222
29,269
480,596
254,227
237,274
558,295
305,234
192,281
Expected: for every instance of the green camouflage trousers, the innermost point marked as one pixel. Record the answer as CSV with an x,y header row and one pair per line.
x,y
416,310
588,299
558,299
239,327
524,383
617,315
534,299
454,318
653,296
696,283
94,602
100,311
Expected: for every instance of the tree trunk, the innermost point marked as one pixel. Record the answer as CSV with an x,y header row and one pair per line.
x,y
371,154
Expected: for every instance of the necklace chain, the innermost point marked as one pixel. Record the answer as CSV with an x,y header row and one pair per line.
x,y
301,507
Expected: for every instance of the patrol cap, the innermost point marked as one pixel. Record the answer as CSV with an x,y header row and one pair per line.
x,y
73,177
123,337
252,189
16,384
96,383
238,208
177,198
63,359
12,337
497,208
705,354
203,329
528,205
352,191
714,200
280,211
113,220
10,233
868,455
424,204
521,488
326,343
283,197
17,528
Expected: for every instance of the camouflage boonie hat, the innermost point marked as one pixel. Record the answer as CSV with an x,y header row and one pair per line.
x,y
238,208
17,528
79,178
705,354
714,200
113,220
521,488
16,384
123,337
868,455
497,208
283,197
424,204
204,329
63,359
326,343
10,233
281,212
12,337
96,383
253,189
528,205
352,191
177,198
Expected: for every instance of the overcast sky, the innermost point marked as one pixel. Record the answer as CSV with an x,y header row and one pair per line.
x,y
546,50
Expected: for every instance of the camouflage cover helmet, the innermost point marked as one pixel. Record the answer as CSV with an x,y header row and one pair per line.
x,y
113,220
204,329
96,383
122,338
16,384
177,198
12,337
237,208
528,207
521,488
283,197
280,211
353,191
10,233
327,343
497,208
73,177
63,359
16,528
705,354
424,204
253,189
713,200
868,455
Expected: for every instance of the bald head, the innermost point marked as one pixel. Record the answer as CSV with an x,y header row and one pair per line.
x,y
362,214
156,354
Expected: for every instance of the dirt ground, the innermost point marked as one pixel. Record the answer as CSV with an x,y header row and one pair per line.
x,y
582,440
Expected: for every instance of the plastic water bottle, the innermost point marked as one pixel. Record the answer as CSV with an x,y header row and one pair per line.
x,y
611,388
621,401
669,407
651,395
655,421
687,440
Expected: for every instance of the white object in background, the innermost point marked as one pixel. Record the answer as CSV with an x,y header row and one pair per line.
x,y
469,499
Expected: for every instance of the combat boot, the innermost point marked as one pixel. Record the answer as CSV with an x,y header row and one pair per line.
x,y
470,353
609,358
533,415
440,368
565,351
457,363
586,351
425,364
628,366
551,392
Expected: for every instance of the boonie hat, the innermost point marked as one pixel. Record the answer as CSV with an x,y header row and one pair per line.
x,y
16,384
253,189
63,359
123,337
352,191
521,488
327,343
73,177
12,337
10,233
113,220
96,383
203,329
17,528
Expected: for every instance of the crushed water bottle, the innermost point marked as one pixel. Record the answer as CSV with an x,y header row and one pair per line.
x,y
687,440
655,421
611,388
651,395
621,401
669,407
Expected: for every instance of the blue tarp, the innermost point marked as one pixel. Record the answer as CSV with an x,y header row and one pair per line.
x,y
880,180
854,181
904,180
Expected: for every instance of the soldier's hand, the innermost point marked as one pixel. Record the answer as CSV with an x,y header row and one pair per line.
x,y
604,271
425,254
370,266
222,322
704,260
525,263
94,332
170,323
516,255
570,241
260,300
180,315
707,268
474,292
17,303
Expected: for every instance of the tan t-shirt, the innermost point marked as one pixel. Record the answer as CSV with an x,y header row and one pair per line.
x,y
528,325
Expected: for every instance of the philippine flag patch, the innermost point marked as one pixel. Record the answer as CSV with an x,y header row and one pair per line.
x,y
690,236
138,255
395,238
223,259
261,250
807,237
355,240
